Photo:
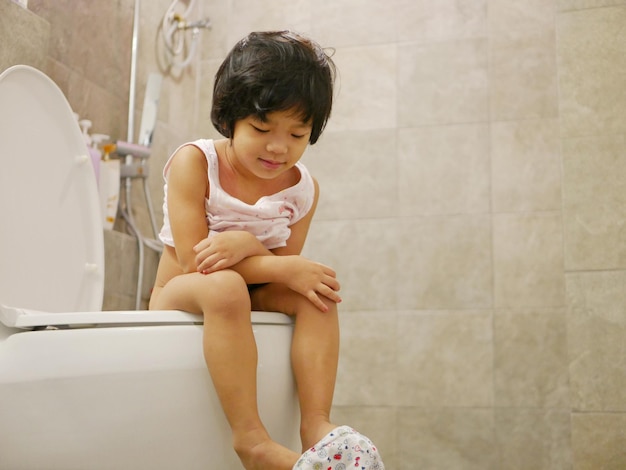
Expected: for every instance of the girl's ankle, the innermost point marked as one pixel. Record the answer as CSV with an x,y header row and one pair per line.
x,y
265,455
313,431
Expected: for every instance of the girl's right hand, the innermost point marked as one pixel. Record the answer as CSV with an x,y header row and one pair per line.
x,y
311,279
224,250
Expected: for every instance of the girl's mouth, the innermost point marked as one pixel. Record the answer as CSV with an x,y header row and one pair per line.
x,y
270,164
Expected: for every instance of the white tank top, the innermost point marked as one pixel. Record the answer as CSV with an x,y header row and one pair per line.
x,y
268,219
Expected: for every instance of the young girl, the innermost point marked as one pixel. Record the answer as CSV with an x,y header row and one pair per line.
x,y
236,215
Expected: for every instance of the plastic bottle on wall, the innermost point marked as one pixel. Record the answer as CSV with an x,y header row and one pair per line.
x,y
109,187
96,155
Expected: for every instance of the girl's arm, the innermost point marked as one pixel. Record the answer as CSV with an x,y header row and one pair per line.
x,y
284,265
227,249
187,187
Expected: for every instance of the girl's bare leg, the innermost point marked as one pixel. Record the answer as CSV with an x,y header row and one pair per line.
x,y
231,356
314,356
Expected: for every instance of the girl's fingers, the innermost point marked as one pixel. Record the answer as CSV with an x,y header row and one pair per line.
x,y
315,300
201,245
209,262
325,291
330,294
333,283
329,271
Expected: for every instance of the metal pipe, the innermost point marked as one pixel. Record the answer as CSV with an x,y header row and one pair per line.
x,y
133,75
127,211
140,252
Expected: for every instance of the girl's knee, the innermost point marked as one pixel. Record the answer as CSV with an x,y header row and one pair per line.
x,y
225,290
199,293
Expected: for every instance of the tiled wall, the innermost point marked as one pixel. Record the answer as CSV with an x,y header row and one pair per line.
x,y
473,203
473,183
592,67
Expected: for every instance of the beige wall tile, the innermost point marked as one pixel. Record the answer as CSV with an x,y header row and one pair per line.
x,y
367,372
523,77
120,271
443,83
206,77
357,172
377,423
24,37
591,71
513,19
214,42
366,88
107,112
363,252
436,20
528,260
444,262
438,438
444,170
56,14
531,359
353,22
525,166
180,105
97,45
246,16
597,335
598,441
564,5
114,301
594,202
121,267
533,439
445,359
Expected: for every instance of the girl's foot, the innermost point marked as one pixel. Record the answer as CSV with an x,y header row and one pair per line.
x,y
258,452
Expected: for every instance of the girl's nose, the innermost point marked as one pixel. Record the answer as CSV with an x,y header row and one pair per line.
x,y
277,146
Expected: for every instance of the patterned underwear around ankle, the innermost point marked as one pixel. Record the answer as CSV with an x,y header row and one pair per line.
x,y
341,449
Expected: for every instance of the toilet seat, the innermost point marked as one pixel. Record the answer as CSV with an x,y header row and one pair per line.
x,y
51,242
26,319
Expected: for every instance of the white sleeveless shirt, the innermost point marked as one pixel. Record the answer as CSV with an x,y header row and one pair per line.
x,y
268,219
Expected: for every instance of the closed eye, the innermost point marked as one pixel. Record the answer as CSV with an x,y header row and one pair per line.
x,y
258,129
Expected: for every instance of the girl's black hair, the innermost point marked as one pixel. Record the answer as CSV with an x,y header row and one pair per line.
x,y
273,71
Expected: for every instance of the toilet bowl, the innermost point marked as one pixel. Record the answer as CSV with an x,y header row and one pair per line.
x,y
81,388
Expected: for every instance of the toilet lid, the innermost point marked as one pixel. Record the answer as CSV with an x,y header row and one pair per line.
x,y
51,240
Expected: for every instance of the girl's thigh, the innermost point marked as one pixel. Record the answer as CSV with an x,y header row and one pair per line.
x,y
195,292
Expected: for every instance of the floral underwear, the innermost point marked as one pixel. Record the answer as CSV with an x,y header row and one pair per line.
x,y
341,449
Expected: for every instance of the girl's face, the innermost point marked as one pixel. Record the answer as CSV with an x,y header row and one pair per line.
x,y
269,148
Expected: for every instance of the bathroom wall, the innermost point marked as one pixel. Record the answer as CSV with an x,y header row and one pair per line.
x,y
473,203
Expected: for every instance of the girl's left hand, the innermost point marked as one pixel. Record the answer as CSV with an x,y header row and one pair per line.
x,y
224,250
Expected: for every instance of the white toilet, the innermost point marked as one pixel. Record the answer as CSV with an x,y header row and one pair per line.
x,y
80,388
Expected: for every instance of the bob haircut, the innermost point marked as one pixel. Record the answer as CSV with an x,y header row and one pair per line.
x,y
274,71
